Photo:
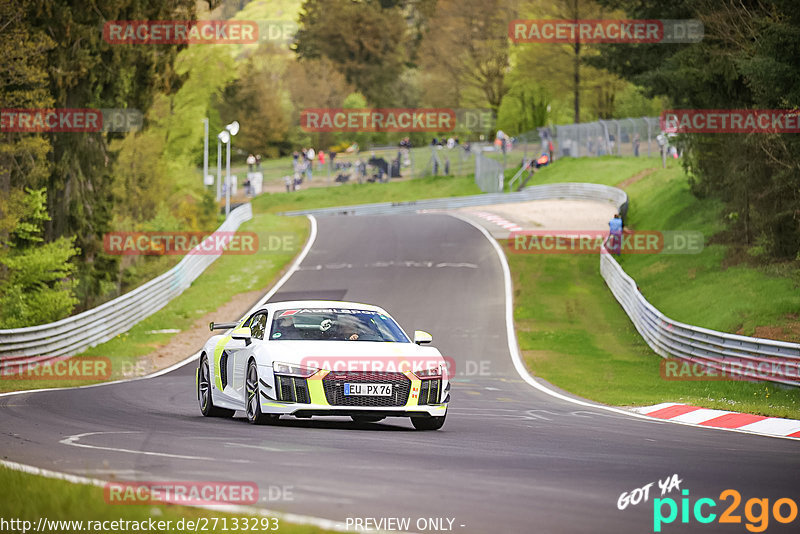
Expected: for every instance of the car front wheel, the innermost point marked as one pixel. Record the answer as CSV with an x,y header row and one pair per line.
x,y
207,407
428,423
252,400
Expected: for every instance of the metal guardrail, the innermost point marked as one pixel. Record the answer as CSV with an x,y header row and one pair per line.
x,y
668,338
79,332
728,354
571,191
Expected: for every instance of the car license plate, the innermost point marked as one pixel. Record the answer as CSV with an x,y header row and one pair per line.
x,y
368,390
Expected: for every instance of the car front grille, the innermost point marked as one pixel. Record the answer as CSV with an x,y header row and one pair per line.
x,y
333,384
292,389
429,391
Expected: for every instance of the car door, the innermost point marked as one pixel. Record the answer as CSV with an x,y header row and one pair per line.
x,y
229,356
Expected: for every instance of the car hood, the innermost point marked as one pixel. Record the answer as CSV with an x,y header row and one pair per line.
x,y
360,349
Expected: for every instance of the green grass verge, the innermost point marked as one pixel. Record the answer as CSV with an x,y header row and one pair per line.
x,y
57,500
607,170
574,334
350,194
701,289
229,275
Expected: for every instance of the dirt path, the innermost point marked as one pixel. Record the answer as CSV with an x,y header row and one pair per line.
x,y
551,214
641,175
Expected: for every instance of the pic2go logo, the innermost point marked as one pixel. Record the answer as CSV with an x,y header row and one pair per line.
x,y
783,511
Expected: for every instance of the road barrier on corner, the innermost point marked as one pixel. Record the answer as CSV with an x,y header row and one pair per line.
x,y
727,354
749,357
570,191
79,332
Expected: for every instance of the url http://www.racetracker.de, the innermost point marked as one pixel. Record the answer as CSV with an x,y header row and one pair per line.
x,y
200,524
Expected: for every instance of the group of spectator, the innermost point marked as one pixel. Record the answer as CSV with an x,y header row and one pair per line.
x,y
451,142
303,166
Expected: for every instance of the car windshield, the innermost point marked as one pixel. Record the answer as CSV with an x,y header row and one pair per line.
x,y
335,324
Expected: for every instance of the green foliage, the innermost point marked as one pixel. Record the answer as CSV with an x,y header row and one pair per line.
x,y
34,285
23,84
367,39
524,108
633,102
259,99
747,59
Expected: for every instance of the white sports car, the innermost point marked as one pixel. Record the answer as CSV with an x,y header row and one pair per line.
x,y
306,358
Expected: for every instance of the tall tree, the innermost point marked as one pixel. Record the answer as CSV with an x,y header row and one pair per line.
x,y
747,59
87,72
23,84
466,51
367,39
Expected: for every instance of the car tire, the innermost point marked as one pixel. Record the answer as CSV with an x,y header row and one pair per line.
x,y
251,398
204,397
362,419
428,423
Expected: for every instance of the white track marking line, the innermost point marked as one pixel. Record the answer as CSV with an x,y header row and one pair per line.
x,y
74,441
523,371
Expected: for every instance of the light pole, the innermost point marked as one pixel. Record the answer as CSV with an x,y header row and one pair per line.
x,y
205,150
222,137
225,136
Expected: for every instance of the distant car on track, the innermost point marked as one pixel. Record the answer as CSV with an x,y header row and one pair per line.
x,y
309,358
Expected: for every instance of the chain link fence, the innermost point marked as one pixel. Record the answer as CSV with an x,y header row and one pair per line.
x,y
489,174
634,136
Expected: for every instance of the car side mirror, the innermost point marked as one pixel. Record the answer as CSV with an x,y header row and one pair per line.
x,y
221,326
421,337
243,333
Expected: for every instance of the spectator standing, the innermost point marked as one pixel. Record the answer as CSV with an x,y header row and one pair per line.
x,y
615,227
310,155
251,161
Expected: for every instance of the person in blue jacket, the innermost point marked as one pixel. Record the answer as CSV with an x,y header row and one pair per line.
x,y
615,234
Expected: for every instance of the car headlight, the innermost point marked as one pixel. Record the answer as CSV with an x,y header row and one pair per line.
x,y
289,369
434,372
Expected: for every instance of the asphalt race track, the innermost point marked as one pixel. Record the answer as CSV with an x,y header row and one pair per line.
x,y
510,458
